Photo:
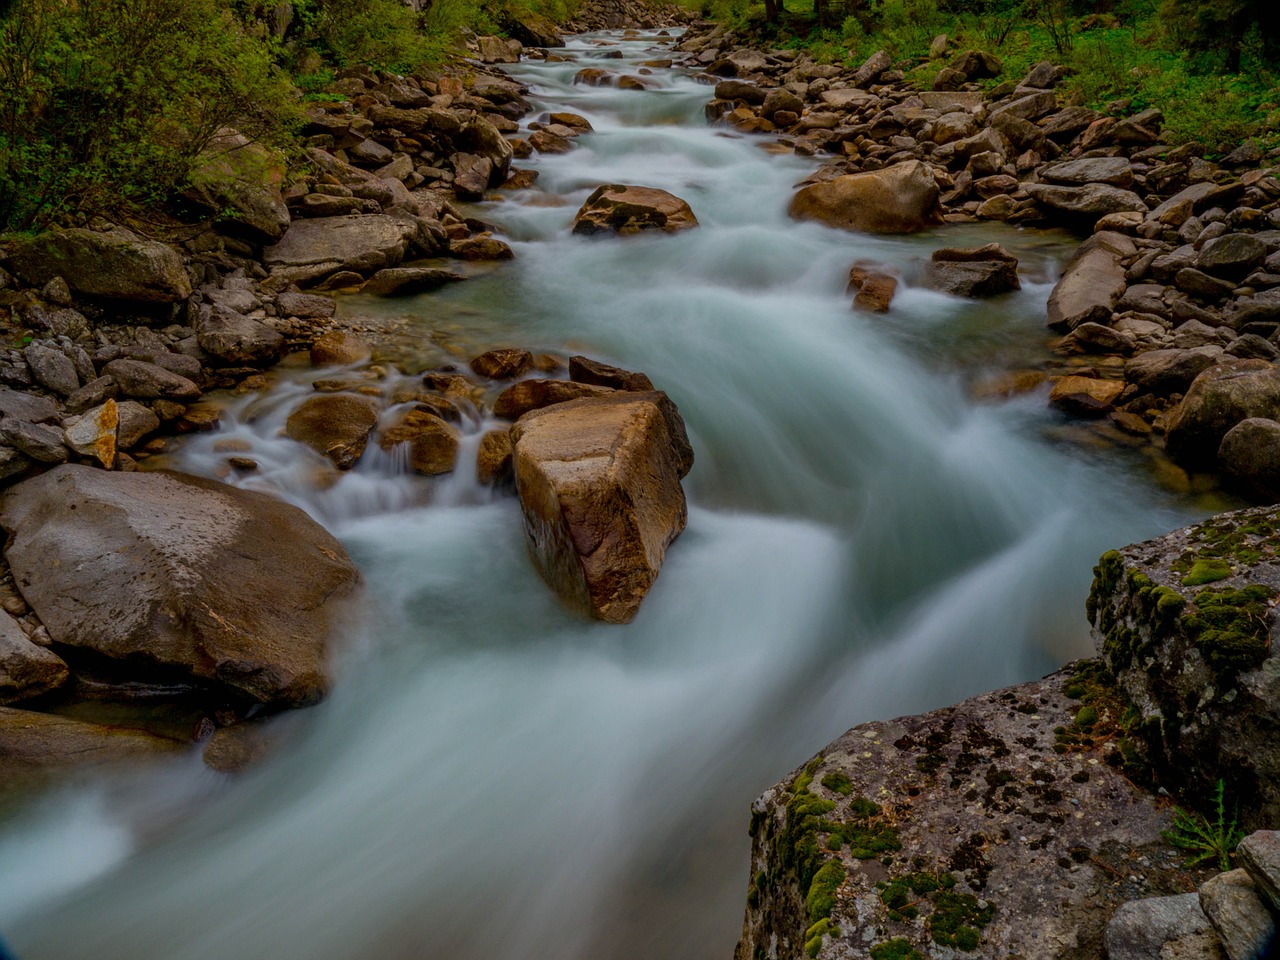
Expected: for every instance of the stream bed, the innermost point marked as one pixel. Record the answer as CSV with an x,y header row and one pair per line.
x,y
495,777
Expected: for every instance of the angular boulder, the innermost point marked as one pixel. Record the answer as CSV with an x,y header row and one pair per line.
x,y
115,265
26,670
902,198
238,341
1092,283
622,209
599,484
519,398
1185,624
974,272
1089,200
1226,393
220,586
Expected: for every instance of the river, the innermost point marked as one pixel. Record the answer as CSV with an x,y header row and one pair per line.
x,y
496,778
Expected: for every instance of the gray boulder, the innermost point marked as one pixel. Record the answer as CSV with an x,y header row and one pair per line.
x,y
1260,855
1250,455
1091,199
314,249
26,670
1115,171
233,589
238,341
116,265
1244,925
1092,283
1220,397
1141,929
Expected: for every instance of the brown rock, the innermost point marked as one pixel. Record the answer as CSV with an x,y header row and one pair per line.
x,y
1223,395
519,398
31,741
600,490
902,198
1085,396
586,370
339,348
493,459
624,210
433,444
504,364
336,425
26,670
873,286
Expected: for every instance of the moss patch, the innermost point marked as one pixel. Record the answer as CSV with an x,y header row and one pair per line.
x,y
1230,628
837,782
899,948
821,899
954,919
1206,570
813,936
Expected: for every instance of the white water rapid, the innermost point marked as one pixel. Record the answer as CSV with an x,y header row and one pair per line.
x,y
496,779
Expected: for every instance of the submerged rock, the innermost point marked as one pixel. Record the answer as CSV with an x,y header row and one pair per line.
x,y
161,571
599,484
902,198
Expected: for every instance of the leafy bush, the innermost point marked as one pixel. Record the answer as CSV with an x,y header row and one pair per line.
x,y
107,103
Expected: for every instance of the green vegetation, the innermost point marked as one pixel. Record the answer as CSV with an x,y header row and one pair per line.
x,y
1206,570
955,919
1230,628
1207,840
899,948
1212,69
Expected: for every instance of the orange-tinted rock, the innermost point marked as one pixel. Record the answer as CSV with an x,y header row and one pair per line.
x,y
339,348
433,444
504,364
519,398
625,210
336,425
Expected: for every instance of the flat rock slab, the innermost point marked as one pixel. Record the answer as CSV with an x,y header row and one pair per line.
x,y
313,249
1014,849
599,484
220,586
1260,854
1092,283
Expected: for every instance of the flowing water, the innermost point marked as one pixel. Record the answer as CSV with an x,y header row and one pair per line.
x,y
496,778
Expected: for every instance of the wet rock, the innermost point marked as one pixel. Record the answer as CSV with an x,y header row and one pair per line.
x,y
405,281
1242,921
954,794
504,364
1091,199
1141,928
1085,396
599,485
148,381
974,272
1096,338
433,444
1092,283
32,741
519,398
239,181
1259,853
625,210
1183,625
115,265
902,198
230,588
94,434
780,99
1221,396
26,670
313,249
335,425
873,286
593,77
586,370
306,306
1164,372
339,348
239,341
494,459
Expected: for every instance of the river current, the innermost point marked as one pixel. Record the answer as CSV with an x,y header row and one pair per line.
x,y
496,778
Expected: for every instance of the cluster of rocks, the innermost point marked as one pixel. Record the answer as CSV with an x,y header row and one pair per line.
x,y
1027,822
1181,274
1233,916
627,15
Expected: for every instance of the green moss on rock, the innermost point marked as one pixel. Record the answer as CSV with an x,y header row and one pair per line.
x,y
1206,570
899,948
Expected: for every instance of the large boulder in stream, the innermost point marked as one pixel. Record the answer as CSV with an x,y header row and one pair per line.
x,y
1187,624
314,249
114,265
624,210
599,484
181,576
970,831
1092,283
902,198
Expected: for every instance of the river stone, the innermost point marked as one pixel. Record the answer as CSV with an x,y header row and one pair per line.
x,y
314,249
973,271
625,210
1163,372
1260,854
781,99
1085,396
1250,455
115,265
225,586
1233,255
305,306
39,441
1220,397
482,138
52,369
599,484
1115,171
1092,283
519,398
902,198
1096,338
975,791
494,459
94,434
335,425
403,281
239,181
239,341
1141,928
135,422
433,444
339,348
1091,199
31,741
506,363
1243,923
586,370
149,381
1193,655
27,406
873,286
26,670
